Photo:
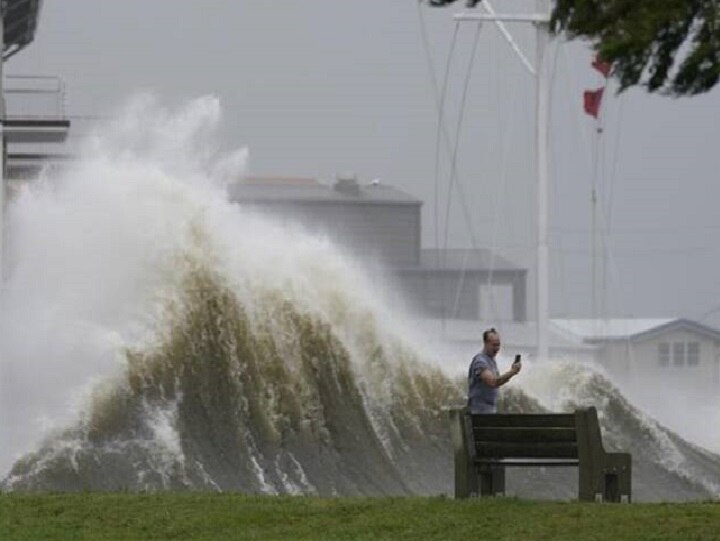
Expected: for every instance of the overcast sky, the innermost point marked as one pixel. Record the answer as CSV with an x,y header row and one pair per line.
x,y
313,88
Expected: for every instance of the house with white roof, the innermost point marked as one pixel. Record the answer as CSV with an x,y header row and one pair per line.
x,y
679,352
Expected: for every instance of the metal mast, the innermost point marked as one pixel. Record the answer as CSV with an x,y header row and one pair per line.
x,y
541,21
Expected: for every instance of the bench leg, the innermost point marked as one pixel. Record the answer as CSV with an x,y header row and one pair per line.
x,y
611,483
466,479
492,481
618,478
586,483
615,483
611,487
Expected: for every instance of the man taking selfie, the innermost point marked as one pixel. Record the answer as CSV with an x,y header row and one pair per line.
x,y
484,379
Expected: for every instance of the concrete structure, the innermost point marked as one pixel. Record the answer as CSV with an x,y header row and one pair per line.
x,y
653,352
375,222
382,225
18,24
466,284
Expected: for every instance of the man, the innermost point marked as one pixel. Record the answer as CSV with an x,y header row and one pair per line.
x,y
484,378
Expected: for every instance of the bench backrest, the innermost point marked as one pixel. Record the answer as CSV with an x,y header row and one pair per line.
x,y
522,436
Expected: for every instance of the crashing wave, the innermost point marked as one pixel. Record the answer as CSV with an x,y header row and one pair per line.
x,y
253,357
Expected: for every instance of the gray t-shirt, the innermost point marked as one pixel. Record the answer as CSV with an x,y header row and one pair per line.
x,y
481,397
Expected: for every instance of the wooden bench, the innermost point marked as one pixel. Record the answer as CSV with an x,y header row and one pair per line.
x,y
486,444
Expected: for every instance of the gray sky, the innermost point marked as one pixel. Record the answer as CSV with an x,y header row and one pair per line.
x,y
318,87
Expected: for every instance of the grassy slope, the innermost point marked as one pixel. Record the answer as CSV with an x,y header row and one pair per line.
x,y
195,516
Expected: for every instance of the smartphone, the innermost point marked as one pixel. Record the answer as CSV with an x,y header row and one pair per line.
x,y
517,358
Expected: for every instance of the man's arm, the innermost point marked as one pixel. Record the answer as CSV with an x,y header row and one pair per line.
x,y
490,380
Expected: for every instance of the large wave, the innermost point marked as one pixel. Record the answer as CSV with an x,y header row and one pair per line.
x,y
206,348
264,399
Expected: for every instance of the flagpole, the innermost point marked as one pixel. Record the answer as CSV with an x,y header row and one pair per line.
x,y
598,270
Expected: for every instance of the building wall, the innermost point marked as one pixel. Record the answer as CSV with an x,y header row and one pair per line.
x,y
466,295
387,232
641,361
437,295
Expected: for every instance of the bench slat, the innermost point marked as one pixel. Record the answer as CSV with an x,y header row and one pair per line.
x,y
526,450
537,420
524,434
529,462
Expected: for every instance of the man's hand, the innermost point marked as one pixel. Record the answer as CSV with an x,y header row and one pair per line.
x,y
516,366
491,381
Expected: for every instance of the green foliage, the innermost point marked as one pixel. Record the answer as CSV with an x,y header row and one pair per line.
x,y
203,516
670,46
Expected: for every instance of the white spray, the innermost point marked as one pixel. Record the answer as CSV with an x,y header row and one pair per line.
x,y
95,254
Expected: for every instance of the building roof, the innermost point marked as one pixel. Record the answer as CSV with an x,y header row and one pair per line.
x,y
605,329
520,335
599,330
20,18
433,259
308,190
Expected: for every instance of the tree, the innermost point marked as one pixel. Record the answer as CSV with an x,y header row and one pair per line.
x,y
667,46
671,46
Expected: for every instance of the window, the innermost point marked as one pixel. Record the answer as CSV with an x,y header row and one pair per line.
x,y
693,353
664,354
678,353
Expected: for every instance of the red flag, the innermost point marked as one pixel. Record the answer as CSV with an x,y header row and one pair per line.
x,y
602,66
592,100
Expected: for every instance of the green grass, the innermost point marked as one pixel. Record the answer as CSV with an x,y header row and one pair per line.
x,y
204,516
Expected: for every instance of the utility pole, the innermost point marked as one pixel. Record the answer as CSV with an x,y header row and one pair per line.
x,y
542,121
541,20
